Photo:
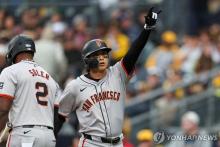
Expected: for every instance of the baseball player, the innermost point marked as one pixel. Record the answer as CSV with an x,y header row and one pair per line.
x,y
28,93
98,97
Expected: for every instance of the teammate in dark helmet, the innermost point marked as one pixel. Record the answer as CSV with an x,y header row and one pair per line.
x,y
17,45
28,98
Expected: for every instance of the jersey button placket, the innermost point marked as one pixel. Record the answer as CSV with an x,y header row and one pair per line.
x,y
106,115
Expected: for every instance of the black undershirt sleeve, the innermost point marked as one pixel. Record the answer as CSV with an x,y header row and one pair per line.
x,y
133,53
58,121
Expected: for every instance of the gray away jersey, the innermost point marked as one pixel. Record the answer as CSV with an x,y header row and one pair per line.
x,y
99,105
34,93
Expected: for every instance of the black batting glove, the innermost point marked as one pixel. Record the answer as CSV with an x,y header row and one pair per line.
x,y
151,19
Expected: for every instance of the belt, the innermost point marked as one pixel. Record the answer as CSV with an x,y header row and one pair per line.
x,y
32,126
104,140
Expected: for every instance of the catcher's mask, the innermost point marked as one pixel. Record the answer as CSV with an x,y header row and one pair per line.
x,y
17,45
91,47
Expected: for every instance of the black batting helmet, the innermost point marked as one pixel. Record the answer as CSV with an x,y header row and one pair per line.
x,y
91,47
19,44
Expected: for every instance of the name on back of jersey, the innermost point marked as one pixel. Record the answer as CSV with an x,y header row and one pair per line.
x,y
35,72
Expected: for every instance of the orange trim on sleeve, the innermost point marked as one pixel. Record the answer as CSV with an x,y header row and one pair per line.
x,y
123,67
6,96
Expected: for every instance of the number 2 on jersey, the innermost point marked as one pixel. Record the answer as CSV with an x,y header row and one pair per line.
x,y
41,93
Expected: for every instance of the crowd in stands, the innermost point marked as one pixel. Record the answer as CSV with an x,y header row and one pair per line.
x,y
59,43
